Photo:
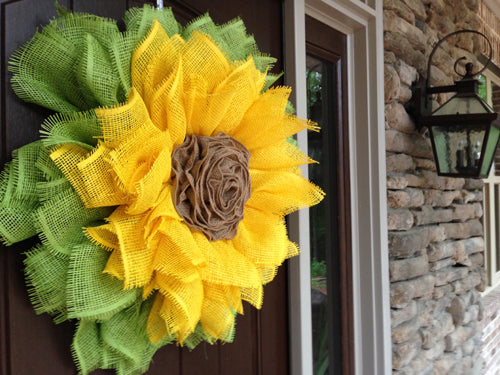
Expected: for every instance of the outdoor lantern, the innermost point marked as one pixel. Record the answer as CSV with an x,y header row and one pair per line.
x,y
465,130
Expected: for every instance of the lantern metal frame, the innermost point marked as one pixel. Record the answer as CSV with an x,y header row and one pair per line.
x,y
465,88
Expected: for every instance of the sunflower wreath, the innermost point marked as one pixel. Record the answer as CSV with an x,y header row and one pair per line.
x,y
159,188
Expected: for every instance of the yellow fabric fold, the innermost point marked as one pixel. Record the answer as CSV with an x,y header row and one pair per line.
x,y
282,192
217,317
262,238
280,155
182,304
154,60
135,255
122,121
167,107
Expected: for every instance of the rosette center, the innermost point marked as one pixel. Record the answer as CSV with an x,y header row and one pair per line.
x,y
212,184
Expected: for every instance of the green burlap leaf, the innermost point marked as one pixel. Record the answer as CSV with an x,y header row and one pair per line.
x,y
200,335
120,51
61,220
48,189
18,194
5,184
45,274
125,335
233,39
24,176
271,80
80,128
139,21
75,26
44,69
61,11
85,347
92,294
119,343
93,75
16,225
46,166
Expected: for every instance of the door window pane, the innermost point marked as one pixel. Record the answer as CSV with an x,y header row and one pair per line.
x,y
321,103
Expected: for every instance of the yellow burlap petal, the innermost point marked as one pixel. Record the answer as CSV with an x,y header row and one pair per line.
x,y
265,123
195,97
167,109
120,122
136,257
178,237
142,165
114,265
268,273
230,100
181,307
99,180
262,238
154,60
217,317
233,294
104,235
149,187
282,192
254,296
165,70
163,211
165,206
280,155
203,58
89,174
176,260
225,265
132,159
156,326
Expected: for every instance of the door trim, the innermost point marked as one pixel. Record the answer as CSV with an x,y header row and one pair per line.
x,y
327,44
370,270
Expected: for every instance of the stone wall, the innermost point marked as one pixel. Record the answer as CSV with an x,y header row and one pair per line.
x,y
491,333
435,224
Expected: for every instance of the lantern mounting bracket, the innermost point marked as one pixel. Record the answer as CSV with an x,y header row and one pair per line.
x,y
468,73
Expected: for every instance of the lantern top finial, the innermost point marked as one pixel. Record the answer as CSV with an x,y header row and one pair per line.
x,y
468,71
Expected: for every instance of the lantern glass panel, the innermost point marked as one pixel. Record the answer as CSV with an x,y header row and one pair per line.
x,y
463,105
458,149
490,151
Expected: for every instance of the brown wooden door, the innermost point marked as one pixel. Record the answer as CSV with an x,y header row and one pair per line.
x,y
31,344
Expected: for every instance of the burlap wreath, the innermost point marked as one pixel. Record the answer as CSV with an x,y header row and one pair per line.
x,y
141,247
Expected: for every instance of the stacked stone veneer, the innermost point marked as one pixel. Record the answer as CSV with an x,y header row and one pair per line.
x,y
435,224
491,333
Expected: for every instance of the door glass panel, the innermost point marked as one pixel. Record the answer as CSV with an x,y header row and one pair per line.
x,y
322,107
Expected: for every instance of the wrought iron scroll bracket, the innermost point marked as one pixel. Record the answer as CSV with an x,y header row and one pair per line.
x,y
469,74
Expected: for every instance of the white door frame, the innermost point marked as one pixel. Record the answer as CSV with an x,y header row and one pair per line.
x,y
362,23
